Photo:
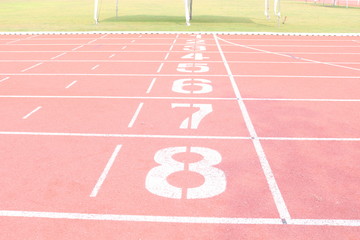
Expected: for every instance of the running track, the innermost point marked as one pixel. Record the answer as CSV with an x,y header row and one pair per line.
x,y
179,136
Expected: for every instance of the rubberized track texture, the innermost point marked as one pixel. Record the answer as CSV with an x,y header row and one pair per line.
x,y
179,136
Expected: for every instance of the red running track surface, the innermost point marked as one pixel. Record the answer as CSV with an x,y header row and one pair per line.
x,y
179,136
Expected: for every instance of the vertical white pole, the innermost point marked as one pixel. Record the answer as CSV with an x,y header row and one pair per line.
x,y
96,17
267,6
187,12
277,8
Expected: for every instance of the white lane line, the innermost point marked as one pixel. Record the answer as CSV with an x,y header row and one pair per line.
x,y
4,79
177,75
167,55
33,66
111,135
105,172
302,99
160,67
95,67
112,55
13,41
136,114
273,186
151,85
68,86
310,139
57,56
178,219
76,48
173,43
32,112
124,47
289,56
92,41
120,97
181,98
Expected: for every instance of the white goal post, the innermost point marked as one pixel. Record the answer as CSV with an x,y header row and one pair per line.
x,y
188,10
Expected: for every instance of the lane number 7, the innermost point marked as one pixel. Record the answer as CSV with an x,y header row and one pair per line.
x,y
194,120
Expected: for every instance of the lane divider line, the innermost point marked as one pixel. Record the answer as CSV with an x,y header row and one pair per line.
x,y
68,86
33,66
4,79
95,67
179,219
32,112
269,175
136,114
151,85
288,56
119,135
105,172
160,67
57,56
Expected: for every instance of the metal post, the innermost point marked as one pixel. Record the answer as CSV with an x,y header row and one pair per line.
x,y
96,12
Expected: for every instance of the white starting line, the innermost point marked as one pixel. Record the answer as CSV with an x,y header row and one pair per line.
x,y
178,219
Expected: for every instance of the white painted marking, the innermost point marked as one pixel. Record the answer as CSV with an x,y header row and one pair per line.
x,y
160,67
167,55
140,35
32,112
124,47
119,97
68,86
112,55
126,135
105,172
176,75
57,56
33,66
183,98
214,178
189,33
310,139
286,55
302,99
136,114
92,41
177,136
151,85
4,79
95,67
178,219
13,41
133,41
173,43
76,48
275,191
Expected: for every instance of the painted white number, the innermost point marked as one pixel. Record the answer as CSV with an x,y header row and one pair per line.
x,y
203,86
194,48
192,41
215,179
193,67
195,56
195,119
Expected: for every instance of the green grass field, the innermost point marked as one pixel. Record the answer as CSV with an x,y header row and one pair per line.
x,y
166,15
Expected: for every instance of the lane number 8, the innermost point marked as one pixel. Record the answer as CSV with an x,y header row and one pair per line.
x,y
215,180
